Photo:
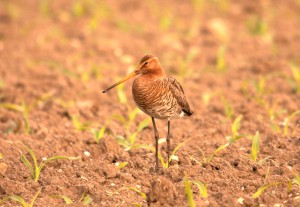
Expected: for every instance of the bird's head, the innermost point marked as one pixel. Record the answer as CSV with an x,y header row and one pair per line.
x,y
149,64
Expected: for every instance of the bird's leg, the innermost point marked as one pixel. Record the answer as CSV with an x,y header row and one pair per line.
x,y
168,143
156,144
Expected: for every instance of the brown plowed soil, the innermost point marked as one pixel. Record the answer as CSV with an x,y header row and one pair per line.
x,y
232,58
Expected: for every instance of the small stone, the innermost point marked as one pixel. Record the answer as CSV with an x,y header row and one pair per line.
x,y
3,168
240,200
87,153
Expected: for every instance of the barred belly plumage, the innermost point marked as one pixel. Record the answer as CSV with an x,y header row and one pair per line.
x,y
155,99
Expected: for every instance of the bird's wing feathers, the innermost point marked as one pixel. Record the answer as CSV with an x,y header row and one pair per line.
x,y
178,93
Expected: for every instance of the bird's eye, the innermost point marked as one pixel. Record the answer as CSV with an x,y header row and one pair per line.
x,y
146,63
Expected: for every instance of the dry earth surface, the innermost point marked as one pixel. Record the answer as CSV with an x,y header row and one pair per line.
x,y
233,58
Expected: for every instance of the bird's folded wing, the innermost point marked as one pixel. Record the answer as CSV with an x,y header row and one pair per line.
x,y
178,93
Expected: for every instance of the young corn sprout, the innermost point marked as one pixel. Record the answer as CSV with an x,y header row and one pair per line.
x,y
287,121
66,199
208,159
129,142
35,168
98,134
189,191
78,125
160,157
202,188
295,180
296,76
86,199
228,109
263,188
255,150
135,189
235,130
255,146
220,61
25,109
20,200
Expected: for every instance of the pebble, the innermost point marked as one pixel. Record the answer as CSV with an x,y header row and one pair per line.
x,y
87,153
240,200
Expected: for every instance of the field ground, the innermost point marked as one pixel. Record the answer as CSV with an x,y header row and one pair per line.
x,y
238,62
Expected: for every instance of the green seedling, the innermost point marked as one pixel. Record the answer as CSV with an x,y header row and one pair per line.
x,y
272,111
78,8
296,76
206,97
160,157
255,146
25,109
164,163
166,20
44,8
189,191
98,134
220,60
185,62
86,199
264,160
263,188
295,179
35,168
66,199
138,191
202,188
267,174
290,186
260,86
122,165
130,142
127,120
288,120
228,109
20,200
208,159
2,84
257,26
255,149
121,94
235,129
78,125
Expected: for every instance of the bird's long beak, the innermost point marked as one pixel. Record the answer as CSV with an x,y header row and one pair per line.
x,y
131,75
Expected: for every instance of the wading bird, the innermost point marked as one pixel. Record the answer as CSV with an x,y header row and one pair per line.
x,y
157,95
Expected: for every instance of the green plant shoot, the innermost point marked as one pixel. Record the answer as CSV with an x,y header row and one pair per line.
x,y
202,188
98,134
255,146
263,188
188,191
36,168
20,200
66,199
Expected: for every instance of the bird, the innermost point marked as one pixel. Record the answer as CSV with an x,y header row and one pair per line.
x,y
157,95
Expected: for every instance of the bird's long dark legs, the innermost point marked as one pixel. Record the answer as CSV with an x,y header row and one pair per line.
x,y
168,142
156,143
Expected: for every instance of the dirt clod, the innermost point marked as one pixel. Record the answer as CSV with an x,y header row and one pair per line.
x,y
162,192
